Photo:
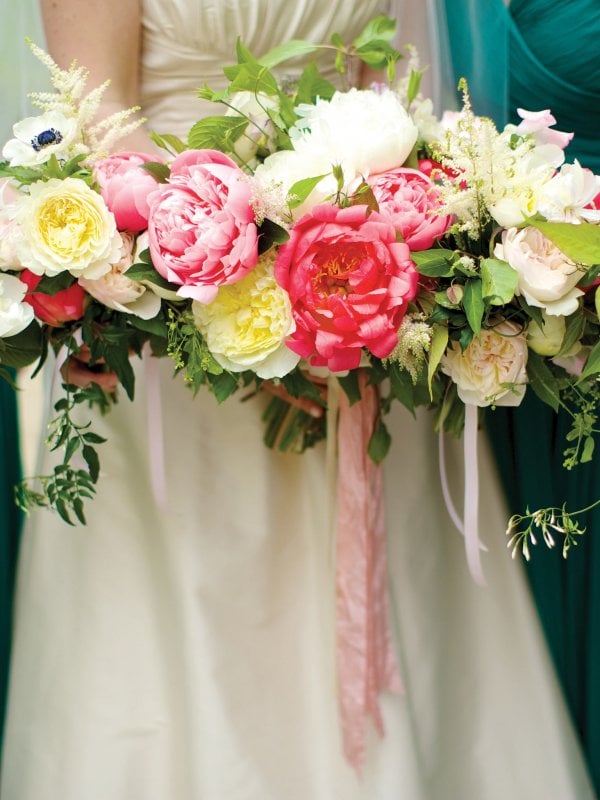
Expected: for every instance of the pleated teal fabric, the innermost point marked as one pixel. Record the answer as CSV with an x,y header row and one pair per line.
x,y
546,54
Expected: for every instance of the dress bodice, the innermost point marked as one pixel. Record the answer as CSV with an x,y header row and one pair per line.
x,y
186,43
554,54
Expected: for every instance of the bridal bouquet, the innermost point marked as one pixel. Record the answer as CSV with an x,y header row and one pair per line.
x,y
309,231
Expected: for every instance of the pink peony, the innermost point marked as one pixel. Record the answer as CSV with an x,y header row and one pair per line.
x,y
53,309
201,228
349,282
411,200
125,186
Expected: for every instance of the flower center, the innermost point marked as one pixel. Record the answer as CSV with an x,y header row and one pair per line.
x,y
46,138
334,269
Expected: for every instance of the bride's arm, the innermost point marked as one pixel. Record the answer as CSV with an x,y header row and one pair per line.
x,y
105,37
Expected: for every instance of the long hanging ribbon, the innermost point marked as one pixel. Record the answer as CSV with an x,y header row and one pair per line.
x,y
470,526
366,660
156,438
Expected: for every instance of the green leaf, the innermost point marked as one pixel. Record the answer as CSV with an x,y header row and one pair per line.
x,y
473,304
379,443
216,133
283,52
159,171
581,243
434,263
52,285
300,190
499,281
298,385
156,326
574,325
312,85
253,77
269,234
117,359
402,387
72,445
349,384
377,54
22,349
588,450
592,364
145,272
439,342
167,141
223,385
92,460
542,380
380,27
364,196
414,84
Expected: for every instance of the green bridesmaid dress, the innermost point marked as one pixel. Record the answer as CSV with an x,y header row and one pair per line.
x,y
546,54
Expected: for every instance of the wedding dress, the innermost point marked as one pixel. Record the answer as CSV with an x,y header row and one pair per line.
x,y
189,654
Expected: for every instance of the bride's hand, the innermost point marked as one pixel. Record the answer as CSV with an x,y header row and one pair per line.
x,y
303,403
77,371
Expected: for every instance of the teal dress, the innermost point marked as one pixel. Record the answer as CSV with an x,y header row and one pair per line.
x,y
10,521
551,53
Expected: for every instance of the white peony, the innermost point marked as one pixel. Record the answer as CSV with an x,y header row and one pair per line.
x,y
363,130
66,226
492,369
547,278
15,315
39,138
245,327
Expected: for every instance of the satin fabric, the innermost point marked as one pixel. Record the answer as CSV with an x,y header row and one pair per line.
x,y
546,54
191,654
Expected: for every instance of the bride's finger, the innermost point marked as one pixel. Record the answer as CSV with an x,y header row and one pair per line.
x,y
78,373
303,403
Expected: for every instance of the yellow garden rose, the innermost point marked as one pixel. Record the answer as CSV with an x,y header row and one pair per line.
x,y
246,324
65,225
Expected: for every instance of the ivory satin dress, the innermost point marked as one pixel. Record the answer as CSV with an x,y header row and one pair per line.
x,y
190,654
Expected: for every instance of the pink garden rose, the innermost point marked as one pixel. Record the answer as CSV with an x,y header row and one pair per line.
x,y
201,229
349,282
125,186
53,309
410,199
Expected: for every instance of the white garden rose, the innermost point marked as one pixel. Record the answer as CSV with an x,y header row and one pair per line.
x,y
547,278
546,340
260,131
492,369
15,315
39,138
115,290
365,131
245,327
66,227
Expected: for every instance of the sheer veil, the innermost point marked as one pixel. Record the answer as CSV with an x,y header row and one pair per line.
x,y
422,23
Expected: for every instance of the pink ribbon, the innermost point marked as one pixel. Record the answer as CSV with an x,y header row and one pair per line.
x,y
366,660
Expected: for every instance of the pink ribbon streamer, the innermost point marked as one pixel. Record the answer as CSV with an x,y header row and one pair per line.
x,y
156,439
366,660
470,526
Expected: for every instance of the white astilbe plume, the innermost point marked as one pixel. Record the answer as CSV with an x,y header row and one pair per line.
x,y
414,341
97,138
494,175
